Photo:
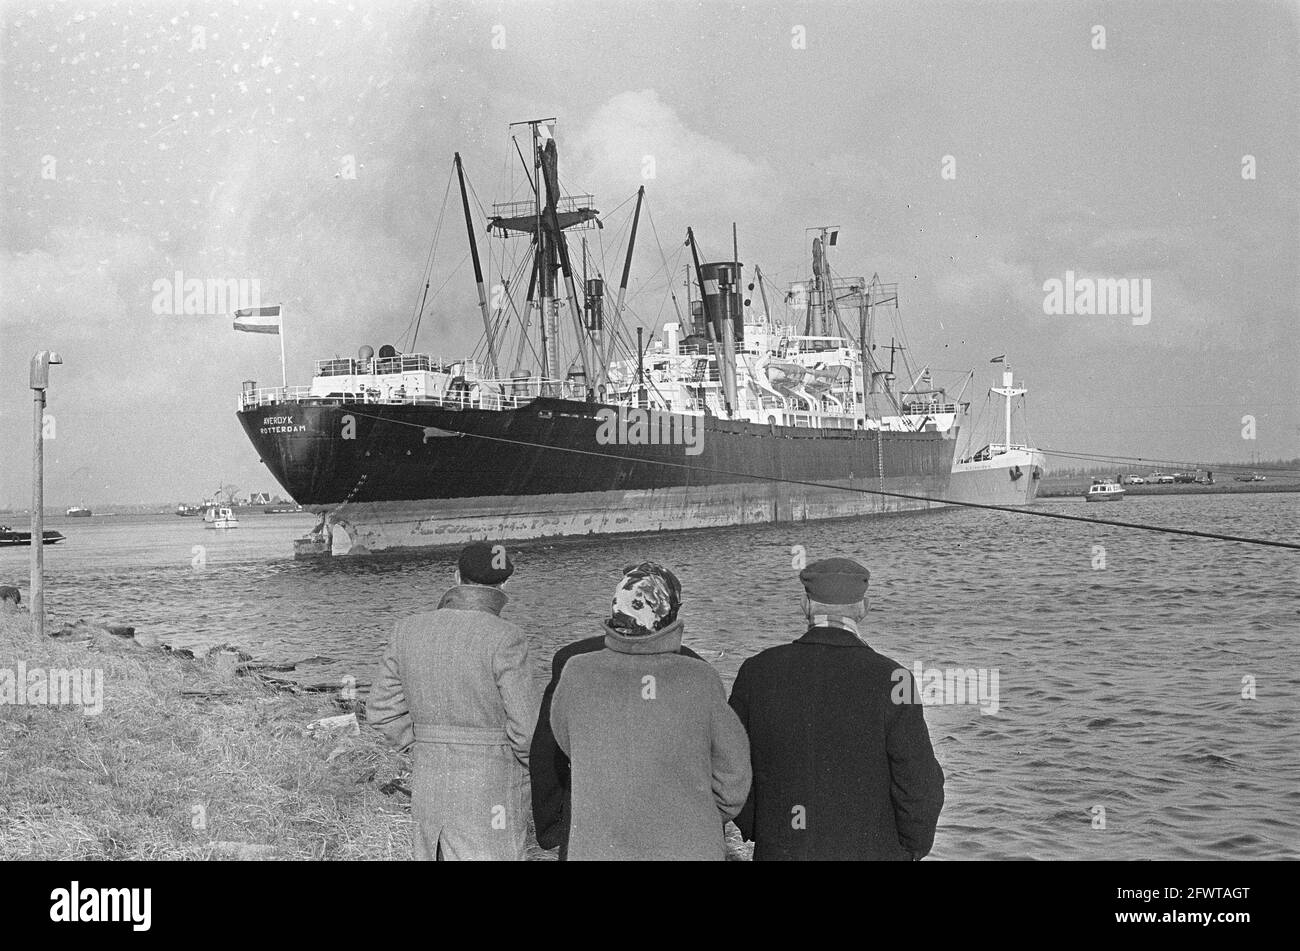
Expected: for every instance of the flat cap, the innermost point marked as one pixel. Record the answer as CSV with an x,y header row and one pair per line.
x,y
835,581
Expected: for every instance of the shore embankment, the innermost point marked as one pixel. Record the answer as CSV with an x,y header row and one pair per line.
x,y
122,748
118,748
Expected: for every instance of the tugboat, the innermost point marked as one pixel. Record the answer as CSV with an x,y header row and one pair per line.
x,y
1104,490
220,516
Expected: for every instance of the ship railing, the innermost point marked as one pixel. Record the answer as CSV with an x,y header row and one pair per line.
x,y
485,394
402,363
253,397
931,409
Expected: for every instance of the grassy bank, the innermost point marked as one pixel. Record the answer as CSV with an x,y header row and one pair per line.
x,y
193,758
188,759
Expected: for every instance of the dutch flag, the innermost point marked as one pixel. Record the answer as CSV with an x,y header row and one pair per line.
x,y
258,320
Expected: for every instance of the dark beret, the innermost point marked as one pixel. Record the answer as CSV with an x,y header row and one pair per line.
x,y
485,563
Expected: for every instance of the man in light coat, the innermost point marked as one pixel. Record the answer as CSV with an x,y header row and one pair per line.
x,y
457,685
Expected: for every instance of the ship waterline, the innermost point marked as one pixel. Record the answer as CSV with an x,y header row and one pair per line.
x,y
386,526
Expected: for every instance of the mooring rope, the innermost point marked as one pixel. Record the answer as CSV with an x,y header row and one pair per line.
x,y
897,495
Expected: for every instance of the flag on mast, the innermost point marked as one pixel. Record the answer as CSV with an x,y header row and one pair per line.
x,y
264,320
258,320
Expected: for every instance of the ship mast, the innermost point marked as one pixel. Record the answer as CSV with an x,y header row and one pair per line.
x,y
545,221
1008,390
622,288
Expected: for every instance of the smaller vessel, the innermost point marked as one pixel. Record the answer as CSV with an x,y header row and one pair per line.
x,y
220,516
1000,473
79,511
1104,490
10,538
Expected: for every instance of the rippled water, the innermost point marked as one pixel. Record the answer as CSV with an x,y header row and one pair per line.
x,y
1120,688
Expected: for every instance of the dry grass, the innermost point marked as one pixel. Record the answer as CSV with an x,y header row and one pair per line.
x,y
161,775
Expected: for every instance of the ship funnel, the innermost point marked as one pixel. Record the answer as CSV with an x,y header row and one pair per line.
x,y
716,276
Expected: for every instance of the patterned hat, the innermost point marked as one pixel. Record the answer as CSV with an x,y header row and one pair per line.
x,y
646,600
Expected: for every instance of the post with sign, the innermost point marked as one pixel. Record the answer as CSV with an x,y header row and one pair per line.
x,y
40,377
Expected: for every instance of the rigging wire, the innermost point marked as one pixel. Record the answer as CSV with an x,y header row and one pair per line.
x,y
428,269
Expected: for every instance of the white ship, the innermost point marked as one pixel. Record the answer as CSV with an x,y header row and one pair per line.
x,y
999,473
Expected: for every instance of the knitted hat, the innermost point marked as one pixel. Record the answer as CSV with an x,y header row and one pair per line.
x,y
835,581
646,600
484,563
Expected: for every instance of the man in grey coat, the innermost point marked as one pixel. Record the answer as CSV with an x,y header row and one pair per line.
x,y
659,760
457,685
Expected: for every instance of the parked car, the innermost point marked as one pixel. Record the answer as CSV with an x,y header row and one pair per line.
x,y
1165,480
1185,477
1134,480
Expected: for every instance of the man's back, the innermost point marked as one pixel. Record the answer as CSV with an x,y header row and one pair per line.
x,y
457,685
840,770
449,665
659,761
547,764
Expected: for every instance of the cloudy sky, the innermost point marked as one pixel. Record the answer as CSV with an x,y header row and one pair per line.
x,y
220,139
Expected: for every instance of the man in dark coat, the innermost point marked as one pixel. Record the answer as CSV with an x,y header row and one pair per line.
x,y
548,766
841,770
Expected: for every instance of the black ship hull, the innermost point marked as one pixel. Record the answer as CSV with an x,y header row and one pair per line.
x,y
404,475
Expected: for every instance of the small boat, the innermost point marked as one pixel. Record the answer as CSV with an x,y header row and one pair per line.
x,y
1103,490
79,511
10,538
220,516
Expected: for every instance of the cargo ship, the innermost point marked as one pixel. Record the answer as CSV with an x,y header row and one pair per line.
x,y
732,414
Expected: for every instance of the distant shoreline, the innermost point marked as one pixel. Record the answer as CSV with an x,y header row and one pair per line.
x,y
1077,486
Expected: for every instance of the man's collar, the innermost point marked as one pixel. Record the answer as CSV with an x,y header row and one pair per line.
x,y
474,597
833,636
